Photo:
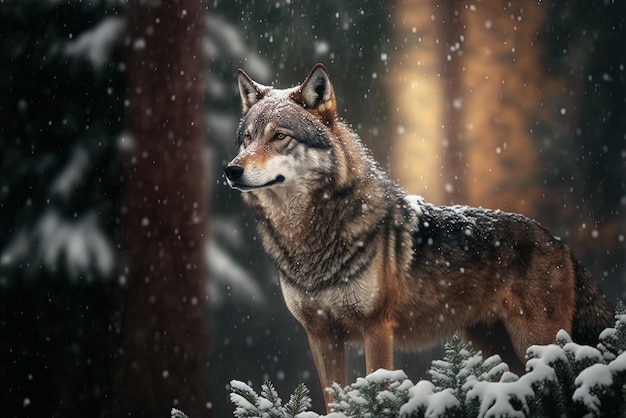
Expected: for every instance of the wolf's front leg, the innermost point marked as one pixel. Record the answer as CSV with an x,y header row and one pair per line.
x,y
378,341
329,354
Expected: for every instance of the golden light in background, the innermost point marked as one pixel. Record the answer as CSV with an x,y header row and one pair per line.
x,y
416,154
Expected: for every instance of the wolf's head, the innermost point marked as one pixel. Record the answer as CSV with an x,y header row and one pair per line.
x,y
285,135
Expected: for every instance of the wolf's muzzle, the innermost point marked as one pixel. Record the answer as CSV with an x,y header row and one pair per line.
x,y
234,173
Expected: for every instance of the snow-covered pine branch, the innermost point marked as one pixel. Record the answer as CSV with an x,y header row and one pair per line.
x,y
563,379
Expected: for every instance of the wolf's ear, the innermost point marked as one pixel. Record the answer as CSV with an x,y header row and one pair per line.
x,y
317,93
249,90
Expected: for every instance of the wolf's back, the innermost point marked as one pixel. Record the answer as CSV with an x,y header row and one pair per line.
x,y
593,313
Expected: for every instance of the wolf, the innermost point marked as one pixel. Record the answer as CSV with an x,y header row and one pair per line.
x,y
360,261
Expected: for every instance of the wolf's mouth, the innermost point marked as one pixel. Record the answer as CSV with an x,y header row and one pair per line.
x,y
246,187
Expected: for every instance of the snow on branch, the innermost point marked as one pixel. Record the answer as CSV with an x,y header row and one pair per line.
x,y
563,379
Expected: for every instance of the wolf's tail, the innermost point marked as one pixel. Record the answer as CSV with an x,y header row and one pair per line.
x,y
593,313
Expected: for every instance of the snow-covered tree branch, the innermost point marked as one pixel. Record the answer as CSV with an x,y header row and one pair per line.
x,y
563,379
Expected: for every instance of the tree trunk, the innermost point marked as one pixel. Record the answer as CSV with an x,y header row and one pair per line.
x,y
469,83
163,358
451,67
417,90
504,88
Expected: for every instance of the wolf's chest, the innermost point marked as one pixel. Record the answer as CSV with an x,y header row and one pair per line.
x,y
344,303
317,261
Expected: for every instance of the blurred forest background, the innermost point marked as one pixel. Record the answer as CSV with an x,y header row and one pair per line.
x,y
131,279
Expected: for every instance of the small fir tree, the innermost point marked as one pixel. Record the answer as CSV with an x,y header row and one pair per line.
x,y
299,402
380,394
563,379
176,413
461,369
249,404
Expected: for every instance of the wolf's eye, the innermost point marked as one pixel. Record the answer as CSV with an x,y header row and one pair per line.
x,y
280,136
246,139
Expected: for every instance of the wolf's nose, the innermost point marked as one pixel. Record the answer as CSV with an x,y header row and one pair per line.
x,y
233,172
